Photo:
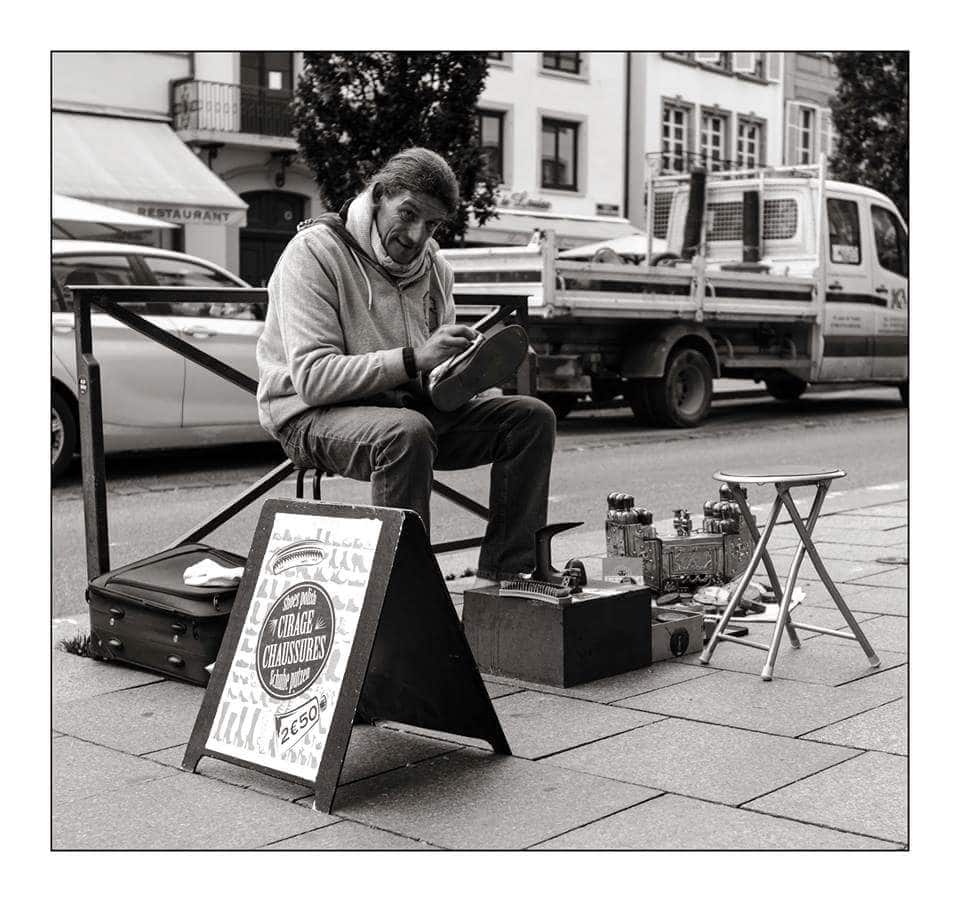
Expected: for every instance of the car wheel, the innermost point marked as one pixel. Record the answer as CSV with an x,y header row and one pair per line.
x,y
785,387
64,436
904,393
682,396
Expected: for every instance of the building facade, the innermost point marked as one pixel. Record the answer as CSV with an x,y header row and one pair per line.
x,y
201,139
716,109
204,139
553,126
809,81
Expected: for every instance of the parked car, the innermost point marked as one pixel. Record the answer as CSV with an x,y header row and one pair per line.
x,y
152,397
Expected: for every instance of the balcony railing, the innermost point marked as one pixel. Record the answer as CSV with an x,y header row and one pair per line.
x,y
219,107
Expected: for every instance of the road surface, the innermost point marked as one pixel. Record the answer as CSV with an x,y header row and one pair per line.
x,y
152,499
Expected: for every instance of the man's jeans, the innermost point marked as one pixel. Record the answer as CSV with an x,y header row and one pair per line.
x,y
397,449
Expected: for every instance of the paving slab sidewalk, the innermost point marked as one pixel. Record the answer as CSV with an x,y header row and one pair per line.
x,y
673,756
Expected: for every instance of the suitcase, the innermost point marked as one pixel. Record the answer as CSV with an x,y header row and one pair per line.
x,y
143,614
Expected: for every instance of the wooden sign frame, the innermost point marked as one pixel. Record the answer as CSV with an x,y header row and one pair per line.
x,y
407,660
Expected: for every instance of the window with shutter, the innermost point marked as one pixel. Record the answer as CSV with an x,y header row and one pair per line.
x,y
825,131
792,138
807,136
675,136
708,56
713,141
774,66
749,143
744,62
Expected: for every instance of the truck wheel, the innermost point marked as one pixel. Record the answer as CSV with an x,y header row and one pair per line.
x,y
681,398
785,387
905,393
560,403
635,393
64,435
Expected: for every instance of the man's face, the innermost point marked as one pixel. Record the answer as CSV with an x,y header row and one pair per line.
x,y
406,221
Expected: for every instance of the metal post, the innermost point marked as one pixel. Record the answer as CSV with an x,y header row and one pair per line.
x,y
760,236
650,196
822,257
91,439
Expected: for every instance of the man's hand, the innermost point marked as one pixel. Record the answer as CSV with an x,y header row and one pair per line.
x,y
445,343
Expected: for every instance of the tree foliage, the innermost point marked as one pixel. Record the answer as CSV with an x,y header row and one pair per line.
x,y
871,120
353,111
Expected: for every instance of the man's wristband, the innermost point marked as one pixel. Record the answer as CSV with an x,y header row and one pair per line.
x,y
410,363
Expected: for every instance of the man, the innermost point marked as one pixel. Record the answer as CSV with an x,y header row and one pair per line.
x,y
361,311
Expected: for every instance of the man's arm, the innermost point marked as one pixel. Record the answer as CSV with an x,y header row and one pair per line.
x,y
322,372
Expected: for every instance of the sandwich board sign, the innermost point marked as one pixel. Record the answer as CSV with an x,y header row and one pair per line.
x,y
341,611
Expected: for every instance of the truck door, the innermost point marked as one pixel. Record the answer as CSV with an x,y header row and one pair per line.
x,y
850,317
890,274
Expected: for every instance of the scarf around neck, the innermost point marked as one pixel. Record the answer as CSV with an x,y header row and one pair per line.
x,y
362,224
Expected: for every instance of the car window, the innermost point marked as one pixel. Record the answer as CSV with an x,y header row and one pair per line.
x,y
891,241
187,274
95,269
843,217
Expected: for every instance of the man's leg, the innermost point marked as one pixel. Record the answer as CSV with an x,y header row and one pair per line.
x,y
516,434
391,447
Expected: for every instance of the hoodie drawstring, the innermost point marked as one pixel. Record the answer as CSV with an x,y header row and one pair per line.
x,y
363,272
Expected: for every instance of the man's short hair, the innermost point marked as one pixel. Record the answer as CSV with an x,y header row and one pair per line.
x,y
420,171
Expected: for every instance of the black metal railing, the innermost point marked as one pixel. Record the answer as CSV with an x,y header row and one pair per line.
x,y
221,107
111,301
264,112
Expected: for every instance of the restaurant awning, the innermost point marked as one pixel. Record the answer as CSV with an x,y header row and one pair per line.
x,y
74,218
516,227
140,166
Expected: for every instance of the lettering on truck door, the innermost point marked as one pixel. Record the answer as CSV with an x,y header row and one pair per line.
x,y
890,274
850,314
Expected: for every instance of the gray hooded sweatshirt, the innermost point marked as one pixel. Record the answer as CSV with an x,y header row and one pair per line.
x,y
337,323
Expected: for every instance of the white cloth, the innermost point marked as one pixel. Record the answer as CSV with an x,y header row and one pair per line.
x,y
209,573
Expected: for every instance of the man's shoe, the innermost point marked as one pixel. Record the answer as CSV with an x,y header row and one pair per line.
x,y
489,361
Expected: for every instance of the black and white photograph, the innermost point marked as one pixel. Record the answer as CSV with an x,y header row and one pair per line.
x,y
483,450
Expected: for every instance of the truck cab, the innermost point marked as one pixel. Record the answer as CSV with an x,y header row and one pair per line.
x,y
865,257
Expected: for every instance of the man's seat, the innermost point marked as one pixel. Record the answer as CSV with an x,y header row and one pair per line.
x,y
318,474
440,488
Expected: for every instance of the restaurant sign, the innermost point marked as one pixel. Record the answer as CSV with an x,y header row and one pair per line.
x,y
183,214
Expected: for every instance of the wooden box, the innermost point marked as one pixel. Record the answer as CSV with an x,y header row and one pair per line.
x,y
674,634
604,632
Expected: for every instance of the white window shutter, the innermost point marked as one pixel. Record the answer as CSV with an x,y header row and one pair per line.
x,y
792,137
773,66
745,62
707,56
825,131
